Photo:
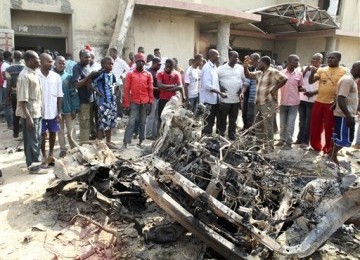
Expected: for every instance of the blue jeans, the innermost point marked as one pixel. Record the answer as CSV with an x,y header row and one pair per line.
x,y
287,122
194,102
152,120
304,122
137,113
32,141
6,108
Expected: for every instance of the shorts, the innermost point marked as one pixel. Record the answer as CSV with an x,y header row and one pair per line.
x,y
107,114
50,124
343,135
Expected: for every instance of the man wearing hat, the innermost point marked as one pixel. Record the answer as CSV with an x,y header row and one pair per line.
x,y
138,98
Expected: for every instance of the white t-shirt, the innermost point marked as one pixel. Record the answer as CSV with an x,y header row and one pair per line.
x,y
95,67
231,79
51,86
309,88
4,66
192,77
120,68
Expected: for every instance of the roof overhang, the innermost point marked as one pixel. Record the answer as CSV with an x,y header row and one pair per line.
x,y
202,13
293,18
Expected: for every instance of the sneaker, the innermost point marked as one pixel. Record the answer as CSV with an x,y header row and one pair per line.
x,y
304,146
356,146
286,147
62,154
280,143
140,144
37,169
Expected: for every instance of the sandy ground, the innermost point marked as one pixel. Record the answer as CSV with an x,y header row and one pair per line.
x,y
36,226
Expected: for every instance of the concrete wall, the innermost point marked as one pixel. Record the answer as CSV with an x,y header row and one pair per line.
x,y
239,5
242,5
350,20
350,50
174,35
253,43
305,48
93,24
284,48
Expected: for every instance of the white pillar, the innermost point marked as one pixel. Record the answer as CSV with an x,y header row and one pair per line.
x,y
330,45
123,19
223,37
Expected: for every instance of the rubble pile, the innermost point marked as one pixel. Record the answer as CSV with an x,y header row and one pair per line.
x,y
240,203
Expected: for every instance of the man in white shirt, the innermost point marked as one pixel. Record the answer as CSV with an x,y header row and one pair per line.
x,y
51,86
231,76
120,69
157,53
192,80
210,90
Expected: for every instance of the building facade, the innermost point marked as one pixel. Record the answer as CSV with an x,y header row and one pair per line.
x,y
181,28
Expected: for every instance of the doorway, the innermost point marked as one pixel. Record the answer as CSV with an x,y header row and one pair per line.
x,y
40,44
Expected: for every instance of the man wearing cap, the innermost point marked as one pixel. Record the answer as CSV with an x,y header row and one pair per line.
x,y
138,97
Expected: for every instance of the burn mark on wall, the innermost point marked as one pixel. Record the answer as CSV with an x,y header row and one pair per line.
x,y
17,4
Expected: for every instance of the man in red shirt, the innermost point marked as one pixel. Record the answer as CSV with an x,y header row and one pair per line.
x,y
168,81
138,97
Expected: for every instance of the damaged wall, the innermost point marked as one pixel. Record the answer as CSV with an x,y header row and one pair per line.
x,y
94,24
174,35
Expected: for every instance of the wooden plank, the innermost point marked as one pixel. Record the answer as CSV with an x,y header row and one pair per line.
x,y
187,220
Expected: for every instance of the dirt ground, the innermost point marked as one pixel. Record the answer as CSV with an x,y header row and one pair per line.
x,y
36,224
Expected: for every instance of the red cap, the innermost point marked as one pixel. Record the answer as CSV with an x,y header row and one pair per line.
x,y
140,56
88,47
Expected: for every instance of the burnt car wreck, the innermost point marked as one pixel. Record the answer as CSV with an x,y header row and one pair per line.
x,y
239,202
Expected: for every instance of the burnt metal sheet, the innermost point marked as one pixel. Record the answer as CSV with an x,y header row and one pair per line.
x,y
292,18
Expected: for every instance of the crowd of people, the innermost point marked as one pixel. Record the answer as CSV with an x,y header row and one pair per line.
x,y
44,94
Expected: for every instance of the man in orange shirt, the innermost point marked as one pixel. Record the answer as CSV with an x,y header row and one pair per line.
x,y
322,117
138,97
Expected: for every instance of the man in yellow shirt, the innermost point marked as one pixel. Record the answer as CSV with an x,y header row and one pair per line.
x,y
322,117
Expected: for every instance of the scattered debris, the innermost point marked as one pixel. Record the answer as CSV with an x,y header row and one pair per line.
x,y
240,203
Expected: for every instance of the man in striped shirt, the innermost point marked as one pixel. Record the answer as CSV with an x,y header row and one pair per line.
x,y
269,80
